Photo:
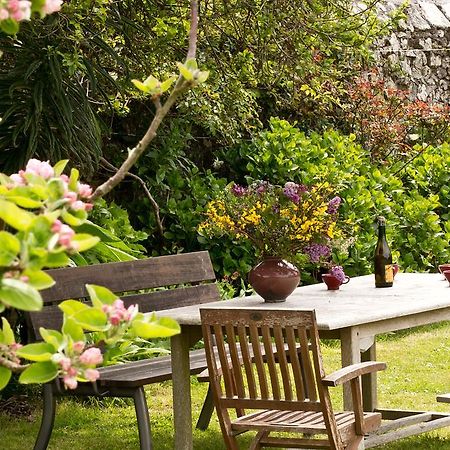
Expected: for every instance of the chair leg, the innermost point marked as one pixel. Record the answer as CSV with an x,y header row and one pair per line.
x,y
143,419
356,444
256,443
48,418
206,412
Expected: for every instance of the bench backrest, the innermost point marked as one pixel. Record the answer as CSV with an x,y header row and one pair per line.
x,y
186,279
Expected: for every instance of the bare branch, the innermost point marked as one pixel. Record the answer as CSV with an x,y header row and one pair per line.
x,y
180,88
153,202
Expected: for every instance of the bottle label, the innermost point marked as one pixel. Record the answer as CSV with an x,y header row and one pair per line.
x,y
389,273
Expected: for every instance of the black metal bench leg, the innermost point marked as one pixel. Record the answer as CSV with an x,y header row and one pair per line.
x,y
48,418
207,411
143,419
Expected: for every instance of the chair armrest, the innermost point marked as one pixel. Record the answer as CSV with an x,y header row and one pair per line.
x,y
355,370
445,398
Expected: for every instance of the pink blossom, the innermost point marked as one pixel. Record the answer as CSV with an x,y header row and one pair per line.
x,y
51,6
115,319
84,190
91,357
88,206
71,196
65,236
17,178
70,382
34,166
78,346
78,205
72,371
4,14
24,278
56,227
91,374
64,177
118,304
65,363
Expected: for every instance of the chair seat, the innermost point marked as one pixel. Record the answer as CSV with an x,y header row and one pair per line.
x,y
308,422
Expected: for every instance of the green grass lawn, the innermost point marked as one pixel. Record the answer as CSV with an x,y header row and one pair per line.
x,y
418,369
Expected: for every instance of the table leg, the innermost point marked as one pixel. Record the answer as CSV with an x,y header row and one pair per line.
x,y
369,381
182,408
350,354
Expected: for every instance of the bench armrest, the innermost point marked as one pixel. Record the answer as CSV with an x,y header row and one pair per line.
x,y
350,372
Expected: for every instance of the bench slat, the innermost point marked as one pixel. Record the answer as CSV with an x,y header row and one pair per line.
x,y
130,275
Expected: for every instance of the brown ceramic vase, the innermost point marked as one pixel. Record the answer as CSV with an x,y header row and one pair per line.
x,y
274,279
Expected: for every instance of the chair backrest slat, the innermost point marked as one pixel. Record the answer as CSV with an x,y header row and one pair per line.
x,y
259,363
307,364
282,362
297,371
235,360
273,374
247,355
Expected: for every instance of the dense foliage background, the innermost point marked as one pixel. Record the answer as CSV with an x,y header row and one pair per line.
x,y
291,97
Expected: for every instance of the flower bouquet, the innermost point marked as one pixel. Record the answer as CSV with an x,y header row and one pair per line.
x,y
279,221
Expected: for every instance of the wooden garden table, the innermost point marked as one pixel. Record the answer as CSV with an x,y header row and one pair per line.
x,y
355,314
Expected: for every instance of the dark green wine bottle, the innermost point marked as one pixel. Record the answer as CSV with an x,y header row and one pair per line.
x,y
384,272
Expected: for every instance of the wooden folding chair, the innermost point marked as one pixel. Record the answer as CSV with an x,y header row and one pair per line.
x,y
285,399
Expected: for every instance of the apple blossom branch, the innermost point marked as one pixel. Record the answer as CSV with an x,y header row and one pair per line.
x,y
182,85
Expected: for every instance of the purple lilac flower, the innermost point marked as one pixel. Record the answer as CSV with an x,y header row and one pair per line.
x,y
317,251
291,191
333,205
238,191
262,186
338,272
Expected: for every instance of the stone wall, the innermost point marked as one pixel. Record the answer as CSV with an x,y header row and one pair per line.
x,y
419,52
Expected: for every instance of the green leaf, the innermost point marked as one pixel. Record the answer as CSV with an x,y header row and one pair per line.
x,y
91,319
152,83
55,189
162,327
191,64
141,86
9,248
8,334
9,26
73,179
39,351
74,219
52,337
40,372
39,279
20,196
100,295
56,259
83,242
185,72
73,329
60,166
14,216
202,76
165,85
5,376
96,230
20,295
71,307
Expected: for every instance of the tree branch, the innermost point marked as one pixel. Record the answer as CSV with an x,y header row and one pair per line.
x,y
153,202
180,88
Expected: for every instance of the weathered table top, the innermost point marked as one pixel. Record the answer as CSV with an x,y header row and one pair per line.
x,y
355,303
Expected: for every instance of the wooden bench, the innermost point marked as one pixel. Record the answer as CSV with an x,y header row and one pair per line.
x,y
189,279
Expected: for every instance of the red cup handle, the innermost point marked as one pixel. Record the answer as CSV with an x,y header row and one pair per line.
x,y
347,279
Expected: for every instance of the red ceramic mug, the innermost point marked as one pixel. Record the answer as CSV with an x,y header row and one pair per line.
x,y
332,282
